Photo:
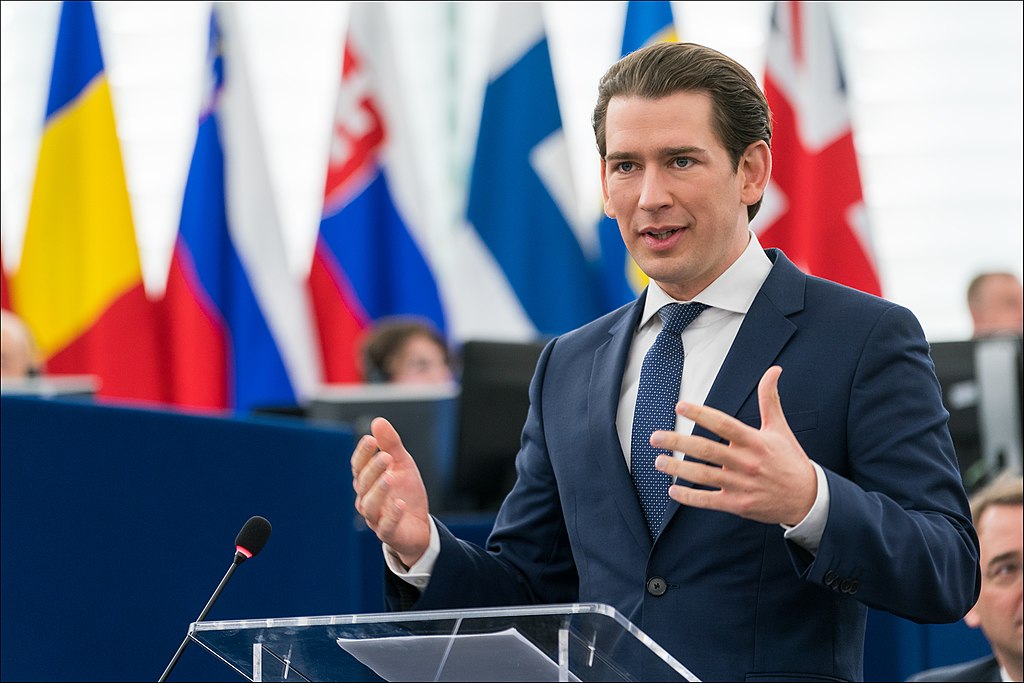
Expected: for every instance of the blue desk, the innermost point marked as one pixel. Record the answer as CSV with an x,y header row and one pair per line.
x,y
118,523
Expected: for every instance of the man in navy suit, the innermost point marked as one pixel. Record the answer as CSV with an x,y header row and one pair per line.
x,y
819,476
998,511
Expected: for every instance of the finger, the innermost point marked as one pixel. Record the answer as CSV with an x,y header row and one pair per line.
x,y
371,473
388,439
374,500
693,446
769,402
696,498
694,472
390,515
361,454
725,426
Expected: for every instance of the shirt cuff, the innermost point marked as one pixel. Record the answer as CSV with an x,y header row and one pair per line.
x,y
807,534
417,575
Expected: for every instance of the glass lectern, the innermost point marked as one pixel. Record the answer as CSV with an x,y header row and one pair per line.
x,y
578,642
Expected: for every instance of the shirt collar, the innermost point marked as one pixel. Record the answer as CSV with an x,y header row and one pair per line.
x,y
734,290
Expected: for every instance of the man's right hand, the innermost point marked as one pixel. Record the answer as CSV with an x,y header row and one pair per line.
x,y
390,494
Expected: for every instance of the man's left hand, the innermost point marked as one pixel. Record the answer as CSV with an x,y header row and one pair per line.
x,y
763,474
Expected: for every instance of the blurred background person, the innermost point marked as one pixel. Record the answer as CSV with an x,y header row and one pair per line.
x,y
981,379
406,350
998,512
996,303
18,356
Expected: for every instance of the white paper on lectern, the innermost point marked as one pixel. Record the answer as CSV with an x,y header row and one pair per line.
x,y
502,656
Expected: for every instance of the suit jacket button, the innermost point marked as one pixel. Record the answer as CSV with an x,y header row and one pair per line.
x,y
830,577
853,586
846,586
657,586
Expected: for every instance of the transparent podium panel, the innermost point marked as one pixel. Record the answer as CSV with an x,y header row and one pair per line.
x,y
578,642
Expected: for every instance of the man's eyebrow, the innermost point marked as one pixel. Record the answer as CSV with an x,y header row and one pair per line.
x,y
663,152
1009,555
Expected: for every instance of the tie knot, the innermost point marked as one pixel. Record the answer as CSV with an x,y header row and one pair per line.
x,y
677,316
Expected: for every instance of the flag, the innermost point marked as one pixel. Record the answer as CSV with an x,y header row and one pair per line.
x,y
647,22
369,260
813,208
521,205
5,292
79,284
239,328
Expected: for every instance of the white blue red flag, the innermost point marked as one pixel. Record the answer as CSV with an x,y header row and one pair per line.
x,y
239,329
369,261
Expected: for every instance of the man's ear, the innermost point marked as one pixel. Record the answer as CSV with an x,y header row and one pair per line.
x,y
755,169
972,618
609,210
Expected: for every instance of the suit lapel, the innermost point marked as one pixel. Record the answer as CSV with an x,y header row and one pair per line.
x,y
765,331
605,385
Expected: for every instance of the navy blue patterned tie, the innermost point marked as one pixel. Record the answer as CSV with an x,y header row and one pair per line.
x,y
656,399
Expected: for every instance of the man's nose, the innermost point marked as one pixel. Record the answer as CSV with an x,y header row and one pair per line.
x,y
654,194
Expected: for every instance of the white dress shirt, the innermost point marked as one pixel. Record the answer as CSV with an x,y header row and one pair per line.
x,y
706,342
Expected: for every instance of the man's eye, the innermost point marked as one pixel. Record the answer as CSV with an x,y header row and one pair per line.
x,y
1006,572
683,162
624,167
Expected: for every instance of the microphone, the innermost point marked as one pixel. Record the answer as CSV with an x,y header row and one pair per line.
x,y
251,539
248,543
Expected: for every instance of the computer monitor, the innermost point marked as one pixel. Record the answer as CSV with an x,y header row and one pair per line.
x,y
424,415
981,389
51,386
493,405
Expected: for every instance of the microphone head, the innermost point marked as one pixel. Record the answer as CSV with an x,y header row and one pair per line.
x,y
252,537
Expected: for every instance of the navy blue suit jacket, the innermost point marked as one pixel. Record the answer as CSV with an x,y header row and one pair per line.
x,y
983,669
742,603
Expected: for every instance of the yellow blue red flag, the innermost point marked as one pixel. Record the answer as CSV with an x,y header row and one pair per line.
x,y
647,22
79,285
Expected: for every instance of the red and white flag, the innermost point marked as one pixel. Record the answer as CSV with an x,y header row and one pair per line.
x,y
813,208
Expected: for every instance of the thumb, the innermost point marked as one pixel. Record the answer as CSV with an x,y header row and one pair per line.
x,y
769,402
388,439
